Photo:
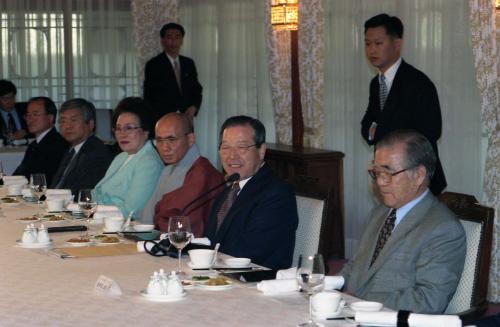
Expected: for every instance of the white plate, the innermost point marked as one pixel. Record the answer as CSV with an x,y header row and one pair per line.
x,y
193,266
33,245
77,244
47,219
14,204
105,230
366,306
27,221
216,287
237,262
163,298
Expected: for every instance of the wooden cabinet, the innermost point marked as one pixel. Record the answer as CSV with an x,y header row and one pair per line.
x,y
321,170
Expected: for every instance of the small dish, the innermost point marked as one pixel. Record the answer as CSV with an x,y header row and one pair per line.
x,y
33,245
193,266
237,262
79,242
366,306
163,298
30,219
143,227
229,284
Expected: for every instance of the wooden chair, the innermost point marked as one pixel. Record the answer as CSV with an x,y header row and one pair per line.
x,y
470,299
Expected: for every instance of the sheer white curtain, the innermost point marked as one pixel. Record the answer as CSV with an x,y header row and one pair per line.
x,y
437,41
64,49
226,39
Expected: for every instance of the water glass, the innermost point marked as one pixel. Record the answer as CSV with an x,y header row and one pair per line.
x,y
310,276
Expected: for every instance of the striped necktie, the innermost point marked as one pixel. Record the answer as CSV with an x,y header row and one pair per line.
x,y
384,235
228,202
382,91
177,71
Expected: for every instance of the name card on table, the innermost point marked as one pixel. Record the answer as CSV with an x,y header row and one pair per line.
x,y
107,286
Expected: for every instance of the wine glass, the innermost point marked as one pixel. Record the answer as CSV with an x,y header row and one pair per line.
x,y
38,186
310,275
88,205
179,234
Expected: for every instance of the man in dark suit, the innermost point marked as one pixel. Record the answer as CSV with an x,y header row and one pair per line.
x,y
12,123
412,251
171,80
44,154
401,97
87,159
256,217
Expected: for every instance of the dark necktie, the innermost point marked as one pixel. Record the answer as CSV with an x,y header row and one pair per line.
x,y
227,203
64,169
382,91
384,235
11,124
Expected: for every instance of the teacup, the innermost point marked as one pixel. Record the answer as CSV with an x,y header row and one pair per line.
x,y
202,257
327,303
55,205
15,189
113,224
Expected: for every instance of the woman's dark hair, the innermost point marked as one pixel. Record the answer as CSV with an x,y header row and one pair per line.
x,y
136,106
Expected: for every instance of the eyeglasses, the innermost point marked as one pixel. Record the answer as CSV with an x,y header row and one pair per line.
x,y
240,149
385,176
170,140
127,130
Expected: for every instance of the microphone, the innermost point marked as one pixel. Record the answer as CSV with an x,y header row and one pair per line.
x,y
229,180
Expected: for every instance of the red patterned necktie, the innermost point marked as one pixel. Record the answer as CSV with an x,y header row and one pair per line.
x,y
228,202
384,235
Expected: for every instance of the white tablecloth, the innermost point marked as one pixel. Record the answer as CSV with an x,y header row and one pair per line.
x,y
11,157
40,289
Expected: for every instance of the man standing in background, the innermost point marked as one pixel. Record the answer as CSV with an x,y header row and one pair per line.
x,y
401,96
171,80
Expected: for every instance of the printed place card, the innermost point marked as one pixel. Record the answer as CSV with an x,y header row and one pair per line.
x,y
107,286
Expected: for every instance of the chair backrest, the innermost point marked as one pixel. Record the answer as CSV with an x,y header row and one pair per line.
x,y
103,124
470,298
311,212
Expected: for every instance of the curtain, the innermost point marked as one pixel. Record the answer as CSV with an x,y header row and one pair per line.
x,y
226,39
311,67
148,18
65,49
484,44
437,41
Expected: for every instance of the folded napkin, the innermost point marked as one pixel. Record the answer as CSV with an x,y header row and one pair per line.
x,y
105,208
287,273
20,142
54,191
73,207
106,214
200,240
59,197
276,286
414,320
26,192
331,282
14,180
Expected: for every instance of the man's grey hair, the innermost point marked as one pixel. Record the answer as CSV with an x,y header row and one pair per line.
x,y
418,152
86,108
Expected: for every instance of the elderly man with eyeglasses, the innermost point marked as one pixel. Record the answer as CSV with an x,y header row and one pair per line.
x,y
412,251
186,176
257,217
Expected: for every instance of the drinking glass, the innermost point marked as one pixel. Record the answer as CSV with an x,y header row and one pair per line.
x,y
310,275
88,205
38,186
179,234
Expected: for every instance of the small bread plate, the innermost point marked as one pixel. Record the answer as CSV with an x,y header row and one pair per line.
x,y
237,262
76,241
52,218
193,266
29,219
163,298
366,306
106,239
33,245
214,287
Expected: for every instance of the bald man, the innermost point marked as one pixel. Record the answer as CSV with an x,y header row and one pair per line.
x,y
186,176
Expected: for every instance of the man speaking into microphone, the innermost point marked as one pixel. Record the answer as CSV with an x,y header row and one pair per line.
x,y
256,216
187,176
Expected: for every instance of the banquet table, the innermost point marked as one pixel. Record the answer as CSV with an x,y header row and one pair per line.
x,y
38,288
11,157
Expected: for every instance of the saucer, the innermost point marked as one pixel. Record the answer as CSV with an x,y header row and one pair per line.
x,y
326,315
366,306
193,266
33,245
163,298
105,230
